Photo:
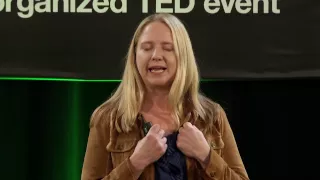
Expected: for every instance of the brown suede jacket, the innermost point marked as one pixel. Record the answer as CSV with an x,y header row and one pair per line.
x,y
108,152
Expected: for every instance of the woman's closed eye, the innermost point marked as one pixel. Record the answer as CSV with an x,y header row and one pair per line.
x,y
168,48
146,46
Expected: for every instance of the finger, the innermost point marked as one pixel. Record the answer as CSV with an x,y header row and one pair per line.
x,y
161,133
165,148
182,138
180,130
179,144
155,128
194,126
163,140
183,131
187,125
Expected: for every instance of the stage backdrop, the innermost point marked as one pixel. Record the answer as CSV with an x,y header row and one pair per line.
x,y
45,125
89,39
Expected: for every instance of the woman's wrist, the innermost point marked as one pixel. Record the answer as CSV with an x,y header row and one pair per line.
x,y
135,168
137,165
204,157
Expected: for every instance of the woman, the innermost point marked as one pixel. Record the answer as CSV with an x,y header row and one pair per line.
x,y
190,137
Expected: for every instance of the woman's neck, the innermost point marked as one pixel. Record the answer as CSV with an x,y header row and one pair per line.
x,y
156,100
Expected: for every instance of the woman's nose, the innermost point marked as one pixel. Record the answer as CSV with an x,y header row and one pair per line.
x,y
157,55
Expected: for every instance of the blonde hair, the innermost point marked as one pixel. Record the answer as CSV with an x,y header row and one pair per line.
x,y
184,96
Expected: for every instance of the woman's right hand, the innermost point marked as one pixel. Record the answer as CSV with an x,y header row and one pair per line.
x,y
149,149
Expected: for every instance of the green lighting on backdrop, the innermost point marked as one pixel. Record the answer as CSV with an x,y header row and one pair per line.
x,y
75,161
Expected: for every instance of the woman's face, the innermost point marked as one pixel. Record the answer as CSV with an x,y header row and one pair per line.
x,y
155,56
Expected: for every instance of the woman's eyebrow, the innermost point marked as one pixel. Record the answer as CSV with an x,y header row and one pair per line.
x,y
167,43
151,42
146,42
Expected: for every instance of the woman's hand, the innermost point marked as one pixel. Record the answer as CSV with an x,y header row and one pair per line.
x,y
192,143
149,149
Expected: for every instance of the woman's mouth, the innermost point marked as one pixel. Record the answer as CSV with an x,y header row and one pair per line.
x,y
157,69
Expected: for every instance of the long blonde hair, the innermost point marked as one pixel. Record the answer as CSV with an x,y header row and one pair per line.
x,y
184,96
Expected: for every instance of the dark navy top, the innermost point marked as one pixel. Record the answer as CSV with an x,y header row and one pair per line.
x,y
172,165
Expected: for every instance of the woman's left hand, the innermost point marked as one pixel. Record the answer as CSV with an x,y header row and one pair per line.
x,y
192,143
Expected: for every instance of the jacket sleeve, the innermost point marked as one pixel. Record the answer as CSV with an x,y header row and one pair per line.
x,y
229,166
97,161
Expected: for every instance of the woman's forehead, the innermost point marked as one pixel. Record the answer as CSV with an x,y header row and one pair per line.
x,y
156,32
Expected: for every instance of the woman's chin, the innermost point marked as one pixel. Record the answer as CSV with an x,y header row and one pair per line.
x,y
159,84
